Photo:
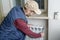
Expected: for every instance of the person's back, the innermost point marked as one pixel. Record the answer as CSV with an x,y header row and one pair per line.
x,y
7,29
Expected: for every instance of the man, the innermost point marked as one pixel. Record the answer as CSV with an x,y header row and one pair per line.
x,y
15,24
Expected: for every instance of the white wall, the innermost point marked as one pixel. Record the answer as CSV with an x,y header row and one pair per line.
x,y
54,30
53,6
7,5
54,24
12,3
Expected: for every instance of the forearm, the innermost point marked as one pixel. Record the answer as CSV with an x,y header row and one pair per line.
x,y
22,26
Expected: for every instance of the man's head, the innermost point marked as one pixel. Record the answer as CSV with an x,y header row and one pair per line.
x,y
31,7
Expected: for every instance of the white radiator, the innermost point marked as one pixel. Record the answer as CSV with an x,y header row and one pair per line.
x,y
36,29
28,38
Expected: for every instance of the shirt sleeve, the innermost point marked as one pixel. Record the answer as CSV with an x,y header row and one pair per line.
x,y
22,26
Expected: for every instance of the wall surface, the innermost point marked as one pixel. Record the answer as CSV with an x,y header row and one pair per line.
x,y
54,30
0,11
6,7
54,24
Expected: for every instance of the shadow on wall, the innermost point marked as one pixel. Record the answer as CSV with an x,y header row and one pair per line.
x,y
1,19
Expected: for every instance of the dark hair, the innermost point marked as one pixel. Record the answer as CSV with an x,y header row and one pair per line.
x,y
25,8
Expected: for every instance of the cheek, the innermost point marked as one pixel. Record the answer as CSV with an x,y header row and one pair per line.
x,y
27,11
32,13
